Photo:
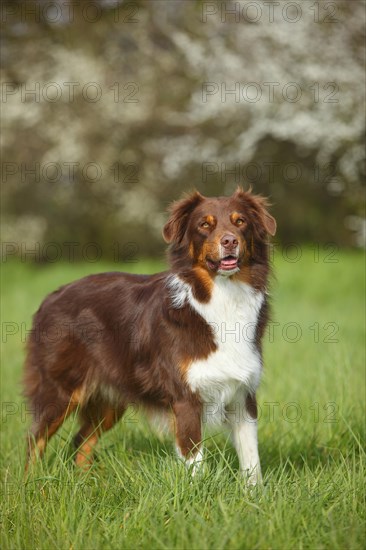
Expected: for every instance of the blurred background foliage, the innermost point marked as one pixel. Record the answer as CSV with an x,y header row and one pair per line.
x,y
111,109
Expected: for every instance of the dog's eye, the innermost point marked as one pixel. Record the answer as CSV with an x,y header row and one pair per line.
x,y
239,221
205,225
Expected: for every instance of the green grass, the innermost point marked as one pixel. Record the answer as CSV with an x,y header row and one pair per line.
x,y
136,495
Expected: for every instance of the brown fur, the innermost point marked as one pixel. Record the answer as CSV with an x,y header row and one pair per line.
x,y
120,331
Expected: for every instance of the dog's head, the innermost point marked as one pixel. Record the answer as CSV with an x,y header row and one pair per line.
x,y
221,235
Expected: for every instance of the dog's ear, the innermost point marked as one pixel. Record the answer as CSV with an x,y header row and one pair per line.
x,y
180,210
259,205
269,223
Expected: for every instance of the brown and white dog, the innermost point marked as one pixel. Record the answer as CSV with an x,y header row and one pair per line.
x,y
187,340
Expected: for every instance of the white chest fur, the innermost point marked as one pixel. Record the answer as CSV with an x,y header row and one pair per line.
x,y
232,312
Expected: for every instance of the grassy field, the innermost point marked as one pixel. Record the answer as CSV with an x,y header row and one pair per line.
x,y
311,434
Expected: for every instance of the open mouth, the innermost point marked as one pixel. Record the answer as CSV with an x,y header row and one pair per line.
x,y
228,263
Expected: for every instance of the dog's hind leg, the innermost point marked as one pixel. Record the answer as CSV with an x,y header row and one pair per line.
x,y
48,417
97,417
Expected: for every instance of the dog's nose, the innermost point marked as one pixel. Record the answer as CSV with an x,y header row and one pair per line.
x,y
229,242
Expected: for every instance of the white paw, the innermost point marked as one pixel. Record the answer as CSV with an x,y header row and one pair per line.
x,y
252,476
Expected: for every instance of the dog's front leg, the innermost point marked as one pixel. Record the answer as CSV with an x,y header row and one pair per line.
x,y
188,432
244,427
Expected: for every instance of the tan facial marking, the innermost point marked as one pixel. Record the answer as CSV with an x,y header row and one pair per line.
x,y
210,249
235,217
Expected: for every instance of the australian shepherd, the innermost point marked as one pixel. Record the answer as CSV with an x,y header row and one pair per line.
x,y
186,341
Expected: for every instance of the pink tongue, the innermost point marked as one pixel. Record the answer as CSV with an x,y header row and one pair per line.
x,y
228,264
